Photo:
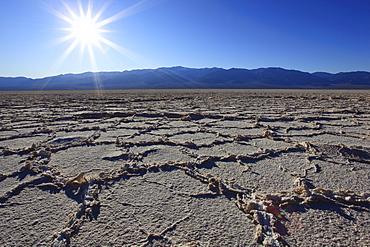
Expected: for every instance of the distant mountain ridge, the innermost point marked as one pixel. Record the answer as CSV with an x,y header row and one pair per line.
x,y
188,78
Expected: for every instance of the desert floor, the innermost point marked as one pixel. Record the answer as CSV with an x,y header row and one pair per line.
x,y
185,168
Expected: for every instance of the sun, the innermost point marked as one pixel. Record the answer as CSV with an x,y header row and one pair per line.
x,y
85,30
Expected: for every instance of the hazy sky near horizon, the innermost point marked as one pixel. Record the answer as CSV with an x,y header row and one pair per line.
x,y
307,35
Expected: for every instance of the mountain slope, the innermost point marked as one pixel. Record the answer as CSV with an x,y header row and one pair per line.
x,y
181,77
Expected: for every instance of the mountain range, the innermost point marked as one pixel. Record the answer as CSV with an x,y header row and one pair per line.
x,y
188,78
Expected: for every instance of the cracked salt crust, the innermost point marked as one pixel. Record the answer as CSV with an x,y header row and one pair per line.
x,y
185,168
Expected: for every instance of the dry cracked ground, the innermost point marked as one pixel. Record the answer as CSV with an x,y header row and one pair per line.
x,y
185,168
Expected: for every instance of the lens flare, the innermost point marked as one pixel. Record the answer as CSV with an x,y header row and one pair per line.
x,y
85,29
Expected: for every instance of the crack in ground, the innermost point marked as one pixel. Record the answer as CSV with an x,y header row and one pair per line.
x,y
266,210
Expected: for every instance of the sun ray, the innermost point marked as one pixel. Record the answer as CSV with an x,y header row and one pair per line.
x,y
136,8
65,54
130,54
86,28
98,85
83,30
70,12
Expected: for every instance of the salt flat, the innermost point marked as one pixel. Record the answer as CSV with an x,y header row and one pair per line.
x,y
185,168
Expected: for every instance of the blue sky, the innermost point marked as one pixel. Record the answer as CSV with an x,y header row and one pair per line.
x,y
307,35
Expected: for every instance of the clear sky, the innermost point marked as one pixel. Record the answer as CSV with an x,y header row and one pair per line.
x,y
307,35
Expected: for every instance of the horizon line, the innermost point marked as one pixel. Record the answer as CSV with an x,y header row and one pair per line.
x,y
175,66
